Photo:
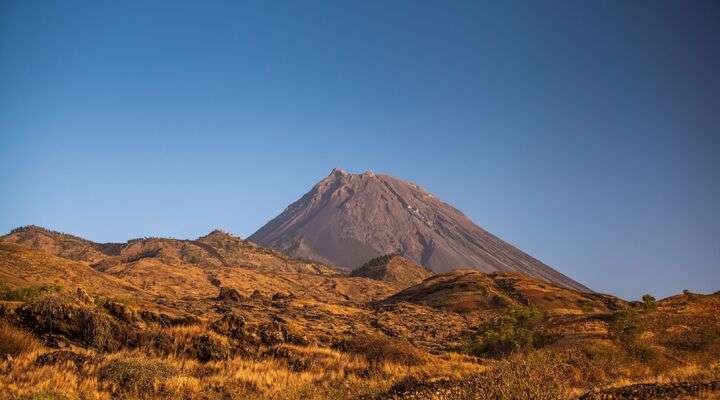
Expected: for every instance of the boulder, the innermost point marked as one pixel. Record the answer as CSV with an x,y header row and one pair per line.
x,y
230,295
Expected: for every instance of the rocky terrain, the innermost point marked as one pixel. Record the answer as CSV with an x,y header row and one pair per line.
x,y
393,268
222,318
347,219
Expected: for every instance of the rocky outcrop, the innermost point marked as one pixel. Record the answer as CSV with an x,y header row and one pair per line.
x,y
230,295
393,268
59,315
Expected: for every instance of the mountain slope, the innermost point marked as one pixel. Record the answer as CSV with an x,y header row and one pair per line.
x,y
464,290
184,268
347,219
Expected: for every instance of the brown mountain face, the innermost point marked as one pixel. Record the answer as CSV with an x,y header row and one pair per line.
x,y
347,219
468,290
393,268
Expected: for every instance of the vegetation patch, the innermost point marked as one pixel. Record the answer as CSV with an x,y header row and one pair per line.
x,y
519,329
26,293
625,328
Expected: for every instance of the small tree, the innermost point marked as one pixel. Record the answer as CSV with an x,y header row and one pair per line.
x,y
649,302
625,328
519,329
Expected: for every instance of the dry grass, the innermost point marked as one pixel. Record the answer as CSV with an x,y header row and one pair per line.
x,y
185,341
325,374
14,341
137,376
179,341
536,377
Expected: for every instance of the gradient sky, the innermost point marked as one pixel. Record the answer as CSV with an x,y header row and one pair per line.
x,y
585,133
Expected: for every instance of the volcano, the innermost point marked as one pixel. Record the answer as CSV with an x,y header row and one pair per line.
x,y
347,219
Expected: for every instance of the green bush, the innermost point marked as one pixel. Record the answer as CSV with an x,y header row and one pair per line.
x,y
520,329
625,329
506,285
26,293
624,326
649,302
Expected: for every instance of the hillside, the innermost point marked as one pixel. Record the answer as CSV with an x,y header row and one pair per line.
x,y
466,290
393,268
347,219
221,318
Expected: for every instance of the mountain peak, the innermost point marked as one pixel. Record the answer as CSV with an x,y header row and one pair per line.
x,y
31,228
338,172
33,231
355,217
219,233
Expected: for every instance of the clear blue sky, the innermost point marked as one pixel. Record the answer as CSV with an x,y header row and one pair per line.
x,y
586,133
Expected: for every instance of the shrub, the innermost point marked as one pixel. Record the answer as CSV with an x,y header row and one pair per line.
x,y
649,302
624,326
625,329
14,342
520,329
379,348
508,287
